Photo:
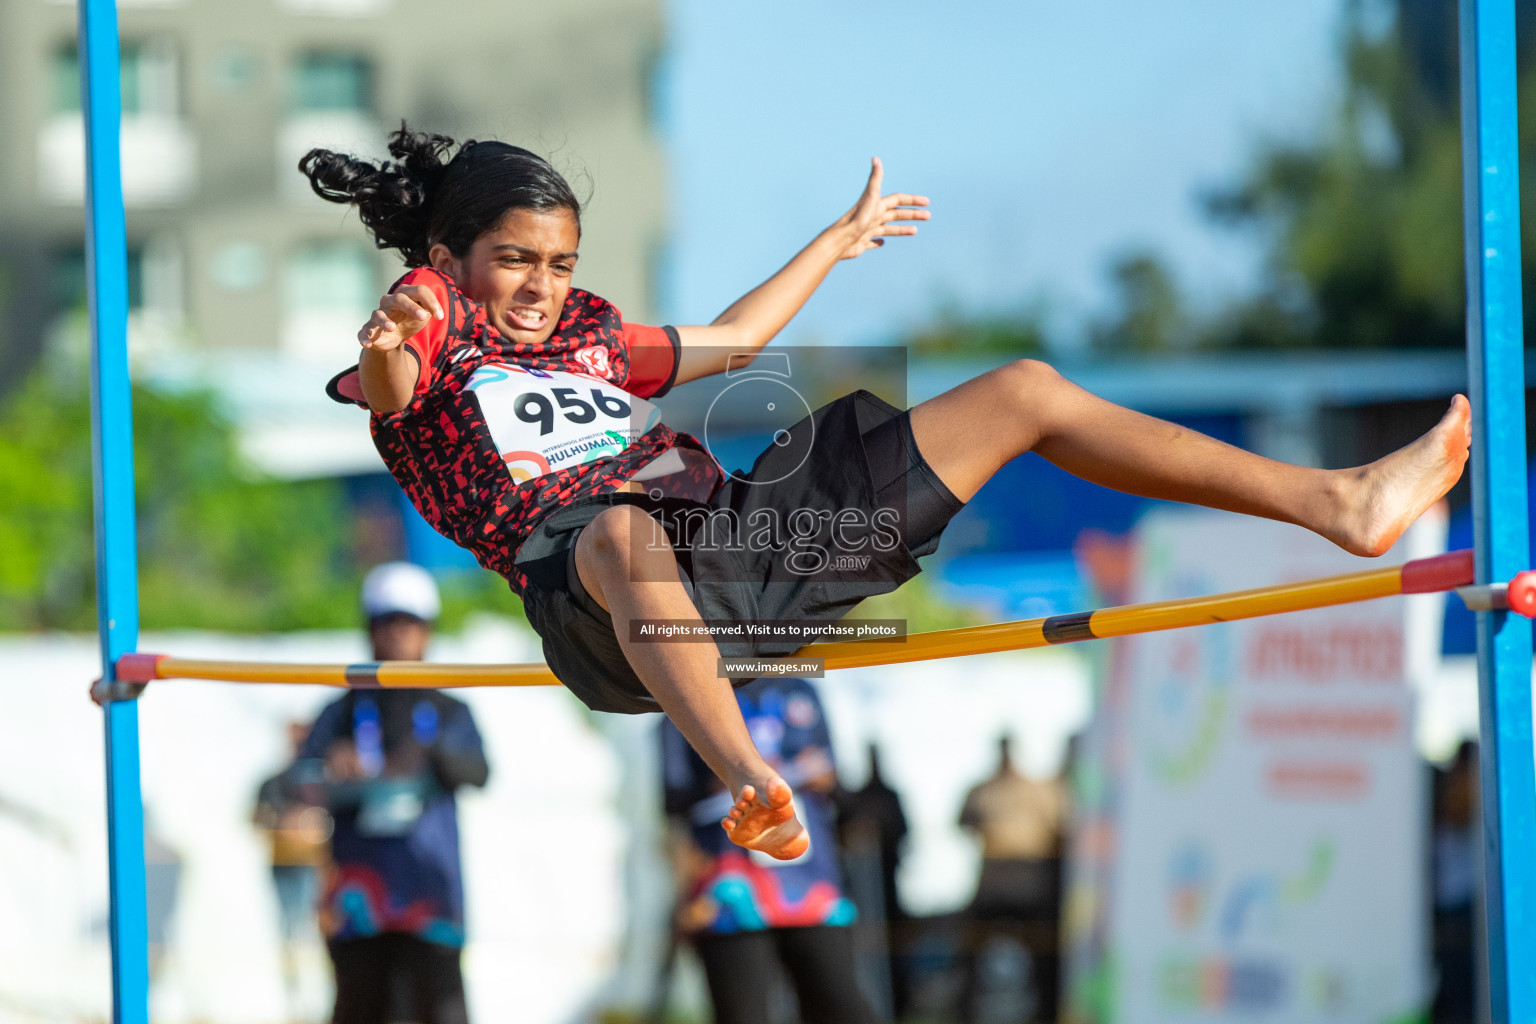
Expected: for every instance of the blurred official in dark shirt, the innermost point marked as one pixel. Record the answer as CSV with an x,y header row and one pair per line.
x,y
386,764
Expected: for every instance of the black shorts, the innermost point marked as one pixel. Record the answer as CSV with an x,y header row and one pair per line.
x,y
847,478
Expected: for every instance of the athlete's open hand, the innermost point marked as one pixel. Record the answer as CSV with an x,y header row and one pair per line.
x,y
875,217
400,314
767,824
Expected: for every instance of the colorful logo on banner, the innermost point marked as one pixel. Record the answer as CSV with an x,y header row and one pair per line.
x,y
1192,695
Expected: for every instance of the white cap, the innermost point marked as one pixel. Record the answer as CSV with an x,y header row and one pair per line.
x,y
400,587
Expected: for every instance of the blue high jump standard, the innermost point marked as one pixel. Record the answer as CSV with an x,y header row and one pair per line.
x,y
1495,358
117,574
1491,210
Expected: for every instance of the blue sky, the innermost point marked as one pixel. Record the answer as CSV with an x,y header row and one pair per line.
x,y
1050,137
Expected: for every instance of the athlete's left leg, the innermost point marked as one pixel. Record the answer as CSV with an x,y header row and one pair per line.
x,y
626,563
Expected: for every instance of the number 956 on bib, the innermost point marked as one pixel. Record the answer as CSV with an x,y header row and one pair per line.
x,y
543,421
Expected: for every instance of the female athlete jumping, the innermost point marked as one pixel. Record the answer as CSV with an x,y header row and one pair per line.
x,y
513,410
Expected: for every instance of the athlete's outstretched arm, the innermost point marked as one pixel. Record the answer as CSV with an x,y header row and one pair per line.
x,y
753,320
387,370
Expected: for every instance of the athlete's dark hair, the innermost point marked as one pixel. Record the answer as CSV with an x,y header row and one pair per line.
x,y
419,198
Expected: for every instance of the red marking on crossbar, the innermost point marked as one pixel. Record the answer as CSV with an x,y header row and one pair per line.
x,y
1442,572
139,668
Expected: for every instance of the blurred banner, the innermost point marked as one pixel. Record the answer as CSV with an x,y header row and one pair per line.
x,y
1258,823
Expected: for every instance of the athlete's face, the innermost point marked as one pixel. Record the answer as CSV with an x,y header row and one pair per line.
x,y
520,271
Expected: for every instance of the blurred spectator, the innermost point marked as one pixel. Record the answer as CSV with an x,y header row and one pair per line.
x,y
162,886
386,764
297,834
1455,866
873,827
747,913
875,811
1020,822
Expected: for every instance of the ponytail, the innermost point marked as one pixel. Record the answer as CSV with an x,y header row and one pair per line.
x,y
420,199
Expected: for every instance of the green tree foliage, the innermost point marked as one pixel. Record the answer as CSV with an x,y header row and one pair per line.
x,y
1150,315
1364,224
953,333
217,548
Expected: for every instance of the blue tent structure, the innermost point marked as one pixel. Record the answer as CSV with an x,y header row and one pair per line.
x,y
1500,521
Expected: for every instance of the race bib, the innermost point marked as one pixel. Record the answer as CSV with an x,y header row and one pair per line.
x,y
543,421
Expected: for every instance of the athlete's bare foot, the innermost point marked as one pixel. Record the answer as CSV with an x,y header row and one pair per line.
x,y
768,825
1383,499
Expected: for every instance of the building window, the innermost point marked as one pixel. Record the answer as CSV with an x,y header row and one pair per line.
x,y
331,277
148,79
330,103
236,70
156,318
64,79
68,278
159,152
329,290
238,266
328,81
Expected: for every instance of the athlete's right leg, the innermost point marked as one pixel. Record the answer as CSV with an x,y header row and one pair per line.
x,y
626,563
969,432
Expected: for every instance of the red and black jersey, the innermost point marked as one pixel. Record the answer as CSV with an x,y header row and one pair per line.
x,y
502,434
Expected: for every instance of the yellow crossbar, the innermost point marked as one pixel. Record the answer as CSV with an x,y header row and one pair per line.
x,y
1424,575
